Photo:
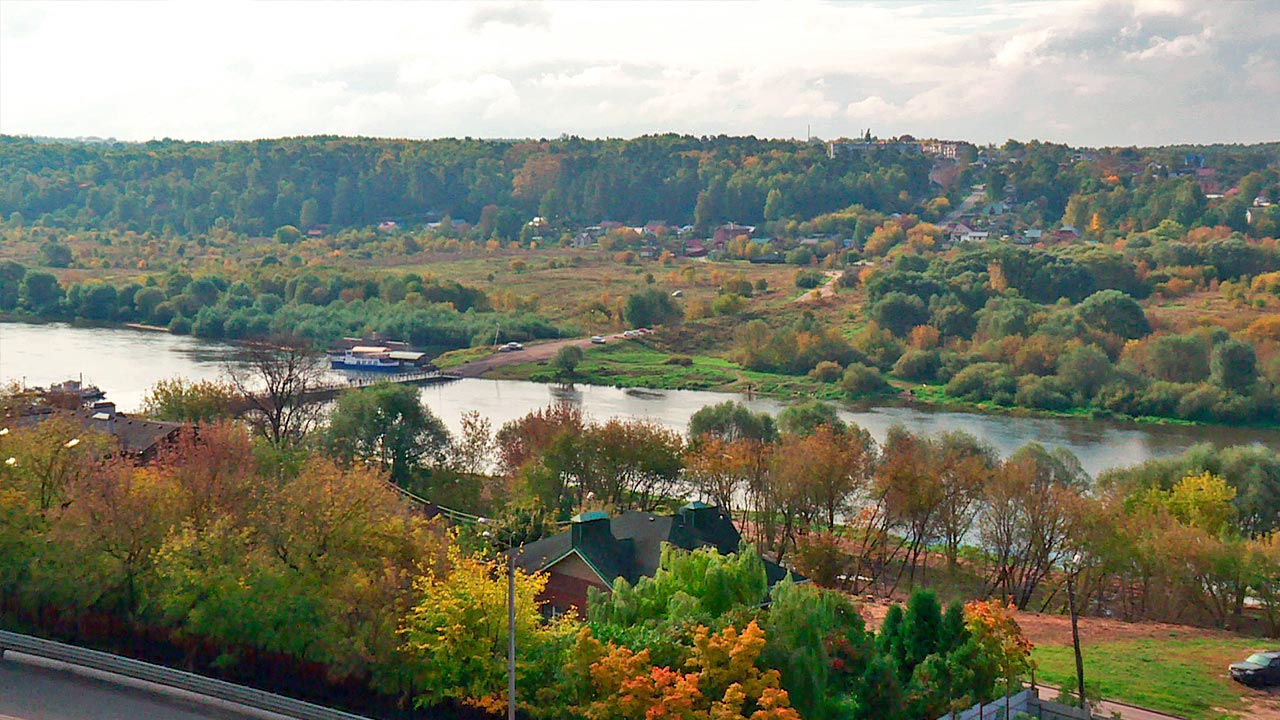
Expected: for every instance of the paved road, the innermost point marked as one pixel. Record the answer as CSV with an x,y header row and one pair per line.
x,y
33,693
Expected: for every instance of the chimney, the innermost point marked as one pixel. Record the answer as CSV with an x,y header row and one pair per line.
x,y
698,515
590,529
105,406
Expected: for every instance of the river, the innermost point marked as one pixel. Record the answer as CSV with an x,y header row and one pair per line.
x,y
124,363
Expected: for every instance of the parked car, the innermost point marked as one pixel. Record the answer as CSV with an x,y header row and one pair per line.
x,y
597,340
511,347
1259,669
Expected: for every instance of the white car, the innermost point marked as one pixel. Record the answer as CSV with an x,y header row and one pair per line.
x,y
511,347
597,340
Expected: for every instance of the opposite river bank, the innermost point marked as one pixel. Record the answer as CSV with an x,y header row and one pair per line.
x,y
125,363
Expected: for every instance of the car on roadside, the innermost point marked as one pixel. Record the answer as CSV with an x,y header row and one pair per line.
x,y
597,340
1258,670
511,347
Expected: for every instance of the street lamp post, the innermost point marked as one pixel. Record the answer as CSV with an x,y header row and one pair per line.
x,y
511,637
511,627
1075,628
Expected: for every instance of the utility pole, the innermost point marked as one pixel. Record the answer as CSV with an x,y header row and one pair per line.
x,y
1075,629
511,620
511,636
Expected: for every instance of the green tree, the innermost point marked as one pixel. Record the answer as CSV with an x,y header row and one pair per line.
x,y
773,205
389,425
861,380
55,254
288,234
456,635
898,312
688,586
11,274
567,358
651,307
199,401
98,301
804,418
309,214
40,292
730,421
817,641
1084,370
1114,312
1233,365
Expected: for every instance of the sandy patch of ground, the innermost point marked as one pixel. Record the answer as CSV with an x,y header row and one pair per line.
x,y
532,353
1047,629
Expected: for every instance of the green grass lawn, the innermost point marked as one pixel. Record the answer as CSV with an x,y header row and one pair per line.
x,y
1180,675
627,363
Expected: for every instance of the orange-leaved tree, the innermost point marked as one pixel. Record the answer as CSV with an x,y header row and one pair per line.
x,y
719,681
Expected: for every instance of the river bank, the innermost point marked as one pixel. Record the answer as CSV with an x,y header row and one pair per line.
x,y
629,363
126,363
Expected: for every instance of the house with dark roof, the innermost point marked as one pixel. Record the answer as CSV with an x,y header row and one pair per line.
x,y
138,439
598,549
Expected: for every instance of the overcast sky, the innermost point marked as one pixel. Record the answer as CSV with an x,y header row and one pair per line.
x,y
1085,73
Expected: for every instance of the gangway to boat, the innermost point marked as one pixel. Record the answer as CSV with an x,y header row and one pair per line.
x,y
328,391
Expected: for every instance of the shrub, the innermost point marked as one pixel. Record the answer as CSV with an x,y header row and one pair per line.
x,y
808,279
984,381
1042,393
730,304
918,366
862,379
826,371
681,360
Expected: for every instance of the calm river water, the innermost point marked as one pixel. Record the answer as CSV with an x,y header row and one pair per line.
x,y
124,363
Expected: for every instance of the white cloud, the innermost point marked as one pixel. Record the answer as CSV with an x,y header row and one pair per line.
x,y
1077,71
874,107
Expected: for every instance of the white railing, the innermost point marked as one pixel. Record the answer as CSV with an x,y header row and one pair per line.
x,y
189,682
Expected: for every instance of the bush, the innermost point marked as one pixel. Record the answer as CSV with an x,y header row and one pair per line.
x,y
1042,393
918,365
730,304
986,381
800,256
681,360
862,379
899,312
179,325
826,371
808,279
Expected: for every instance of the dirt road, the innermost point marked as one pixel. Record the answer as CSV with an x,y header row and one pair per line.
x,y
826,290
965,205
531,353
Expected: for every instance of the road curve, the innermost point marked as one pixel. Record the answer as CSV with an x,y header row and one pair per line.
x,y
536,352
35,693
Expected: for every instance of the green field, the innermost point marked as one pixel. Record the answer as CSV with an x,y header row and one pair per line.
x,y
628,363
1180,675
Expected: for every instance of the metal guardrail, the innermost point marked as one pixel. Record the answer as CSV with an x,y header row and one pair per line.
x,y
190,682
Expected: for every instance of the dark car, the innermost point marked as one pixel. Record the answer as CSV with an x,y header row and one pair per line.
x,y
1259,669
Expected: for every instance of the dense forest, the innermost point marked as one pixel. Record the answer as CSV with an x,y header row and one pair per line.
x,y
170,187
253,188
